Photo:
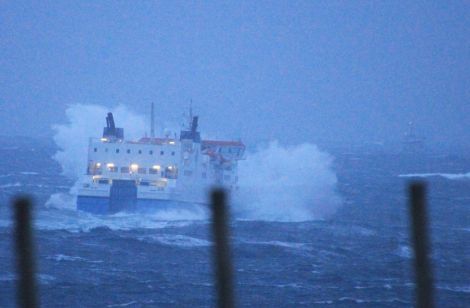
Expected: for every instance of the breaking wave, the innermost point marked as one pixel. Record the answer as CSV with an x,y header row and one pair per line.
x,y
287,184
449,176
182,241
77,221
276,183
278,244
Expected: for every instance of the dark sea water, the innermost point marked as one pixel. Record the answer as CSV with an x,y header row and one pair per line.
x,y
360,257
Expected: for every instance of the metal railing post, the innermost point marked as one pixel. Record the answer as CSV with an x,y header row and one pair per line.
x,y
424,283
223,265
26,291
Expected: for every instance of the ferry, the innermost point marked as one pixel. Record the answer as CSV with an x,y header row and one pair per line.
x,y
155,173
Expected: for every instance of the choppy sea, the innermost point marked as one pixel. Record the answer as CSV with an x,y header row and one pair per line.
x,y
361,256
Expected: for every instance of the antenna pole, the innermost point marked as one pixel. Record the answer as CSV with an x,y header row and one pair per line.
x,y
191,108
190,113
152,121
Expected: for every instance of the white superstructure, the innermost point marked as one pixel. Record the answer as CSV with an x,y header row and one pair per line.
x,y
150,171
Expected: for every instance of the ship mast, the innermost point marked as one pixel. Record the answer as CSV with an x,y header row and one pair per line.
x,y
152,121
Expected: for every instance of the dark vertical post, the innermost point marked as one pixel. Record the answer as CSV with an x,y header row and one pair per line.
x,y
223,266
24,249
424,285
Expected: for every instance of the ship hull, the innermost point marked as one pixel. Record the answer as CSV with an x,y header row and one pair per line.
x,y
105,206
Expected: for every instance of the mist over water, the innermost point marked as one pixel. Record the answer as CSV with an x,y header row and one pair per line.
x,y
277,183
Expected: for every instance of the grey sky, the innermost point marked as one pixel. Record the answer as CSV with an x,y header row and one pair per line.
x,y
347,71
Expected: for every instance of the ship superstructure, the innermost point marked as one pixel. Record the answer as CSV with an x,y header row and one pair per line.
x,y
154,173
412,143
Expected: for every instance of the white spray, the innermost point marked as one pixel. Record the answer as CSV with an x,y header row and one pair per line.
x,y
85,121
287,184
276,183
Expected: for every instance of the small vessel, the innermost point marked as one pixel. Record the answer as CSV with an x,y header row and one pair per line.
x,y
412,143
155,173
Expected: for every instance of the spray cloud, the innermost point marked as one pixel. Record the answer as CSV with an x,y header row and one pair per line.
x,y
276,183
287,184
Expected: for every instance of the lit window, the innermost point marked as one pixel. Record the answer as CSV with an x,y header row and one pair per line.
x,y
134,167
171,172
155,169
111,167
96,169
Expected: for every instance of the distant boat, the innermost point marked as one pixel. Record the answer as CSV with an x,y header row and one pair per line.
x,y
155,173
412,144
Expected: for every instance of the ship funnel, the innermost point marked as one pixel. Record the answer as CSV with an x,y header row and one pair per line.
x,y
112,132
194,124
191,134
110,121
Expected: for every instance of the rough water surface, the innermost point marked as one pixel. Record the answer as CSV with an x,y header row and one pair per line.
x,y
359,257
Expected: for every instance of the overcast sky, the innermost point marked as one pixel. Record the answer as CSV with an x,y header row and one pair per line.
x,y
296,71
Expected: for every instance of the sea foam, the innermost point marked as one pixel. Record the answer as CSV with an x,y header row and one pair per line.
x,y
449,176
